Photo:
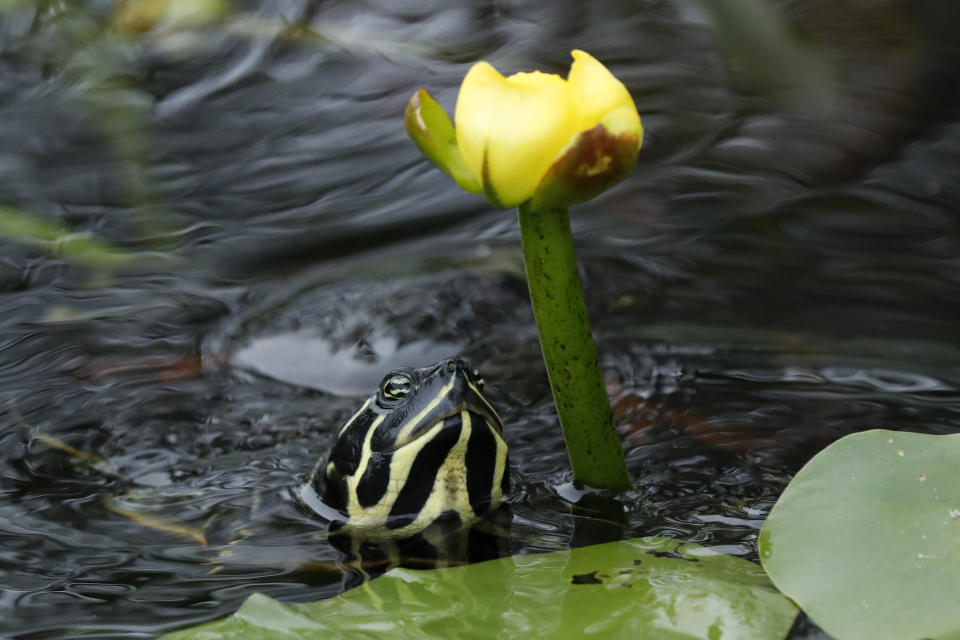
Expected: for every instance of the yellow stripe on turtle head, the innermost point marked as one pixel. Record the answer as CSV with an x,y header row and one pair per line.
x,y
356,415
414,422
365,453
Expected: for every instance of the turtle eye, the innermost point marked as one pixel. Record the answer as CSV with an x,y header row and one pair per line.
x,y
395,387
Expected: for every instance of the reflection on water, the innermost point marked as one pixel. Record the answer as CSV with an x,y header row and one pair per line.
x,y
771,278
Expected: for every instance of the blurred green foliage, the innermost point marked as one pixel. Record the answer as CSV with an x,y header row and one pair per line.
x,y
768,57
58,240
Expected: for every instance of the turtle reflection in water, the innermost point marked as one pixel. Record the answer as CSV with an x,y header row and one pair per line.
x,y
416,476
416,468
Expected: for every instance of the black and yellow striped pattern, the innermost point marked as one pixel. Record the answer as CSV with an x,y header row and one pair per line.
x,y
427,445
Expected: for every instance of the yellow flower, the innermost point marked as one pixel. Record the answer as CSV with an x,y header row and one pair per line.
x,y
532,135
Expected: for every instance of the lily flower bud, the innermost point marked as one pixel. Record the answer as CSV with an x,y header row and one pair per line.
x,y
532,135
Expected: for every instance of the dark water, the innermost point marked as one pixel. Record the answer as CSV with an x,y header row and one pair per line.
x,y
781,269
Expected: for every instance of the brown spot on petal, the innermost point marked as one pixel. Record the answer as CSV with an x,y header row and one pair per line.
x,y
602,166
595,161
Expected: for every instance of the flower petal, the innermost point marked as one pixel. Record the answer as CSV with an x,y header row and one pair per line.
x,y
597,92
429,126
516,124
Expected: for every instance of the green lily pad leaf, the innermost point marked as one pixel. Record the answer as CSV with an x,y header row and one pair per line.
x,y
866,538
646,588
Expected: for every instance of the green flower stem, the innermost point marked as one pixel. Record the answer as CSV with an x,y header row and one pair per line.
x,y
568,350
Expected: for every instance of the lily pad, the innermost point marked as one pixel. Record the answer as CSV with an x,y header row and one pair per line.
x,y
866,538
646,588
